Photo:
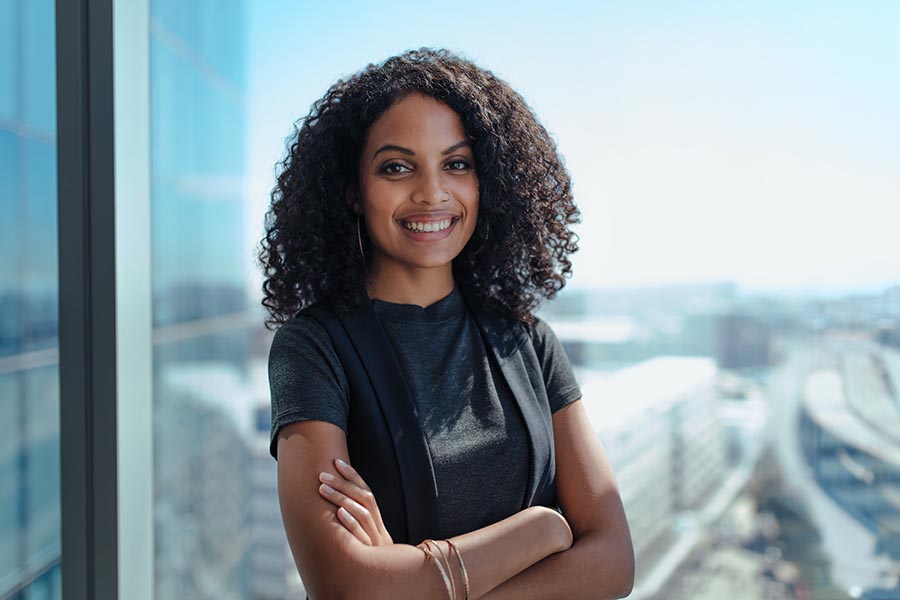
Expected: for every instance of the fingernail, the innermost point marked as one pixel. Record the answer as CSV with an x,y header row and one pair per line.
x,y
341,463
326,476
327,488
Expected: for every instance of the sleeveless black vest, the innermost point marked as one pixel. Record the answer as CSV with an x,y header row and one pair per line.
x,y
385,442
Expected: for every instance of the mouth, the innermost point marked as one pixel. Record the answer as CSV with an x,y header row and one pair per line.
x,y
428,230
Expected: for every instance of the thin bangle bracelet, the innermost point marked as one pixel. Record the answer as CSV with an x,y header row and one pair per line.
x,y
462,566
449,567
429,552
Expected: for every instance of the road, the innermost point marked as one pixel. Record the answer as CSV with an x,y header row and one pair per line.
x,y
848,544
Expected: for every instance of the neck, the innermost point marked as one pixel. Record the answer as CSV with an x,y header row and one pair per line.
x,y
422,287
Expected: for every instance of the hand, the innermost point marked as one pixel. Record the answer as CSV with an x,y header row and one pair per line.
x,y
357,509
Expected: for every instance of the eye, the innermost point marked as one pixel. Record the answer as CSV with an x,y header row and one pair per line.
x,y
458,165
393,168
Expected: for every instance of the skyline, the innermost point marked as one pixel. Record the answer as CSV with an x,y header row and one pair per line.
x,y
752,144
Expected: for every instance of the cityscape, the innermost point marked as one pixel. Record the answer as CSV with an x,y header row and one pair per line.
x,y
773,424
755,435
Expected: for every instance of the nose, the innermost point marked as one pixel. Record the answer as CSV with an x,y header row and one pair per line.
x,y
431,188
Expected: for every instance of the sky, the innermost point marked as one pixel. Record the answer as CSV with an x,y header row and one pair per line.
x,y
757,143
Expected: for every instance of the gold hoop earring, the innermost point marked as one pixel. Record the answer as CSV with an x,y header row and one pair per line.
x,y
359,238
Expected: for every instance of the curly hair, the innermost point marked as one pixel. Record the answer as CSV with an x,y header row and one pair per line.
x,y
519,251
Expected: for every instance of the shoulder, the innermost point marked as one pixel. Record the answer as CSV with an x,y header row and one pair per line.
x,y
538,327
303,331
304,344
305,328
306,378
542,335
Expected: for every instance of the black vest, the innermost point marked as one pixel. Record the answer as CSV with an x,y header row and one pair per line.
x,y
385,442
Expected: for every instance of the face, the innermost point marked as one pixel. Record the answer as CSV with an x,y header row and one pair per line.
x,y
417,184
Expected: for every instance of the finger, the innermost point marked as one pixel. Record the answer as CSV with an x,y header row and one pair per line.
x,y
362,495
354,526
357,510
350,474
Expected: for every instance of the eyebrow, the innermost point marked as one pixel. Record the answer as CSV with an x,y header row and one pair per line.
x,y
409,152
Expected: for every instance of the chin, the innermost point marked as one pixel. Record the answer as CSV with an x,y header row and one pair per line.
x,y
433,263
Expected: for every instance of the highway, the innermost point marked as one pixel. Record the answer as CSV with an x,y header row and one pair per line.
x,y
849,545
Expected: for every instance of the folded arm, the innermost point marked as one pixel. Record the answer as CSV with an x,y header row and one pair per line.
x,y
491,554
333,563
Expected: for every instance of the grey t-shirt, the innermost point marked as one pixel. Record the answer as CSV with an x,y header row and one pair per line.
x,y
475,434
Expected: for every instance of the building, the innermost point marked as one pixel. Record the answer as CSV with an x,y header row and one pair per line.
x,y
658,421
225,486
742,341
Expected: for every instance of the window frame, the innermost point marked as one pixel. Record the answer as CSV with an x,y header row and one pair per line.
x,y
105,318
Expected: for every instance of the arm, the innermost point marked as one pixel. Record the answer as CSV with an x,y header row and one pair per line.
x,y
491,554
333,563
600,564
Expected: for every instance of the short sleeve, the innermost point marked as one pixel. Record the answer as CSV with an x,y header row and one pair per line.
x,y
306,379
559,376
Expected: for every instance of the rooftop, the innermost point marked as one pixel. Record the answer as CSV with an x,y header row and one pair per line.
x,y
619,398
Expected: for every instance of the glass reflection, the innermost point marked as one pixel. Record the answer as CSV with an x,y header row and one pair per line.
x,y
29,372
217,526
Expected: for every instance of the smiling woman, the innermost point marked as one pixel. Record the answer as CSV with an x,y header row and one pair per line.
x,y
421,213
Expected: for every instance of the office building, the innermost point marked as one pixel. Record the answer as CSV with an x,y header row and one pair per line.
x,y
659,423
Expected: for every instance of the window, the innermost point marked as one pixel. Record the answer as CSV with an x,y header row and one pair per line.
x,y
30,549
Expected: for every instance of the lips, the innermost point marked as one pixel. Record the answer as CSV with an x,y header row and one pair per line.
x,y
428,226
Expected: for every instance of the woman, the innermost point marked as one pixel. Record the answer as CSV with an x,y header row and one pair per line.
x,y
419,215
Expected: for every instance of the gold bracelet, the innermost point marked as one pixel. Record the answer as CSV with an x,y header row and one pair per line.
x,y
429,552
462,566
449,567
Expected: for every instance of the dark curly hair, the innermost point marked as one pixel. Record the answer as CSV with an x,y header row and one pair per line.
x,y
521,244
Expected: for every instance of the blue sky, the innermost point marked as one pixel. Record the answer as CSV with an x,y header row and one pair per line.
x,y
752,142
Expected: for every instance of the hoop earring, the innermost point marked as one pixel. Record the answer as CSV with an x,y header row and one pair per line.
x,y
359,238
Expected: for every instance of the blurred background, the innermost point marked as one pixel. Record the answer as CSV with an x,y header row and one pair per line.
x,y
734,315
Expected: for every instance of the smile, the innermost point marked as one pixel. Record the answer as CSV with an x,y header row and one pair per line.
x,y
429,225
429,230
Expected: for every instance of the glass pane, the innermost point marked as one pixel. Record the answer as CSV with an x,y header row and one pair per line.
x,y
212,470
29,371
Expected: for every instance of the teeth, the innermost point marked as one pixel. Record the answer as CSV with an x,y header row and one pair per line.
x,y
431,226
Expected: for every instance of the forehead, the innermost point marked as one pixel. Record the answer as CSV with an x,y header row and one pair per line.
x,y
417,118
